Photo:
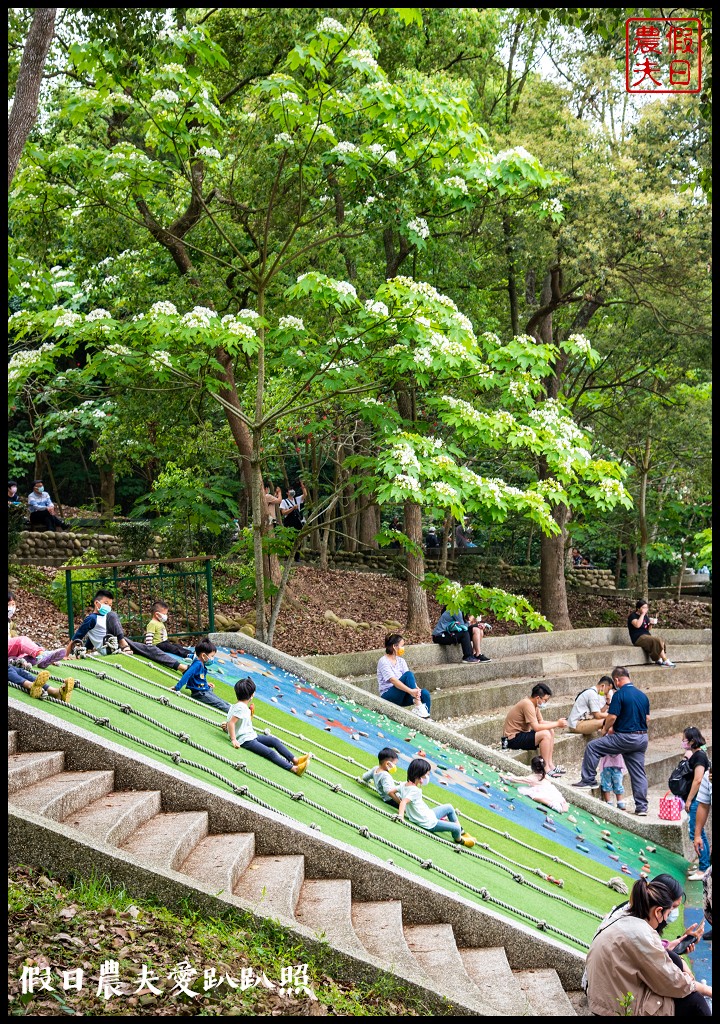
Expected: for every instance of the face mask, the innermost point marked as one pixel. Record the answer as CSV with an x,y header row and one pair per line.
x,y
104,609
11,612
210,661
40,489
401,650
163,618
673,915
392,769
685,745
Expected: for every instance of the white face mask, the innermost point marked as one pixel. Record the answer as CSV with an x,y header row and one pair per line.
x,y
673,915
163,618
11,611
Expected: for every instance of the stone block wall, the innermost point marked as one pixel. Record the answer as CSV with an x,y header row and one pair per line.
x,y
55,549
604,579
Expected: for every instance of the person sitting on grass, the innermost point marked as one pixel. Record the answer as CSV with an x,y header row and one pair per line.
x,y
38,685
100,632
242,734
442,819
196,680
22,647
156,634
381,776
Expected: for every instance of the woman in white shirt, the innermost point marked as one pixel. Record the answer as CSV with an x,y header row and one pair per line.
x,y
396,682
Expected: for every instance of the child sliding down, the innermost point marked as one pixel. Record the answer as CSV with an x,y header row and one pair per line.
x,y
243,735
442,819
540,788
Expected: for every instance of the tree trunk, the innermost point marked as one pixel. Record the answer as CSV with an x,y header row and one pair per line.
x,y
368,523
27,90
107,490
642,519
418,616
445,544
553,593
350,519
633,574
618,567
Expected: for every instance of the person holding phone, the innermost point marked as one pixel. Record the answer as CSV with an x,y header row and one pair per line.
x,y
639,627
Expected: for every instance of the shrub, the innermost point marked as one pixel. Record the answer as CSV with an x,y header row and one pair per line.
x,y
136,537
16,523
57,592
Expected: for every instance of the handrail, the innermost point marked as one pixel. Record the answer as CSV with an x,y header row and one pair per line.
x,y
149,561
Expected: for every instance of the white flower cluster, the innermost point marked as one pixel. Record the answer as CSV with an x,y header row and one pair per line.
x,y
519,388
463,322
97,314
551,416
507,154
443,489
293,323
162,309
453,590
249,314
283,139
117,350
25,360
612,488
164,96
408,481
173,69
199,316
378,308
290,97
380,153
331,27
207,151
443,462
160,359
370,200
552,206
419,226
238,329
369,401
423,356
343,288
344,147
114,99
424,290
110,279
118,176
457,182
363,57
405,456
580,342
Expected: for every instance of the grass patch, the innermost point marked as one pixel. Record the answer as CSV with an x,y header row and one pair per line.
x,y
62,925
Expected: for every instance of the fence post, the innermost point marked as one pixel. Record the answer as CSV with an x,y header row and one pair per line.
x,y
68,593
211,610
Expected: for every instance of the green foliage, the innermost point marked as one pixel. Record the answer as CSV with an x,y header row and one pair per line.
x,y
16,523
478,600
57,591
703,540
136,536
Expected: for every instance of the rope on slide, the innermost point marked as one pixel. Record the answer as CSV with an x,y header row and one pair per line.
x,y
186,710
177,758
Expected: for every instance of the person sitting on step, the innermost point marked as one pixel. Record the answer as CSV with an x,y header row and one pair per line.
x,y
441,819
396,682
639,627
156,634
242,734
526,729
589,710
453,629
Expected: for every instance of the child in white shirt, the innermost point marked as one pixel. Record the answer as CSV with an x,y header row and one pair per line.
x,y
442,819
243,735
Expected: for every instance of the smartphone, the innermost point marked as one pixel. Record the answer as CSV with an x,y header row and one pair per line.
x,y
685,941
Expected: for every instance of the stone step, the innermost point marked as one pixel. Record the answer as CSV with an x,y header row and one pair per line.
x,y
27,769
168,839
221,860
435,949
115,818
579,1003
12,741
325,906
61,795
379,927
544,993
490,971
272,884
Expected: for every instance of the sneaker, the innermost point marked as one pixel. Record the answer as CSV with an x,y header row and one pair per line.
x,y
484,657
66,689
79,650
555,774
300,768
420,710
467,840
584,785
21,663
110,643
641,814
36,689
696,876
49,658
559,769
665,664
304,758
621,806
472,660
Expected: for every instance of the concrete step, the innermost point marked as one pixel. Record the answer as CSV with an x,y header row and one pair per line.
x,y
579,1002
461,701
12,741
60,795
168,839
379,927
544,993
114,818
325,906
490,971
435,949
221,860
272,884
27,769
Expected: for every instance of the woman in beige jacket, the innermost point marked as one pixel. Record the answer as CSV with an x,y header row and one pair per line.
x,y
627,958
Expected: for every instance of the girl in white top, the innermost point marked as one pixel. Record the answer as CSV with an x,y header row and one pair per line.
x,y
442,819
540,788
242,734
396,682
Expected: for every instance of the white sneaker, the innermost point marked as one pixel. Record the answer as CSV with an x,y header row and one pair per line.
x,y
420,710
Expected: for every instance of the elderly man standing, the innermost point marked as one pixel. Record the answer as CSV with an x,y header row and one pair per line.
x,y
625,731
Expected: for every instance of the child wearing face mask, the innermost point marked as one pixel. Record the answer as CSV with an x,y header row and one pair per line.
x,y
442,819
242,734
381,776
156,634
196,680
23,649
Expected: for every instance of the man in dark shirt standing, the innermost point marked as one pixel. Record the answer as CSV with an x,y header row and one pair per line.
x,y
625,732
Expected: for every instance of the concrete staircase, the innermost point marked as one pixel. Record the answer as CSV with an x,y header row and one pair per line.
x,y
65,819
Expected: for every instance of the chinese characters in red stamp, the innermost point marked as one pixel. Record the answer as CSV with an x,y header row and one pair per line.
x,y
663,55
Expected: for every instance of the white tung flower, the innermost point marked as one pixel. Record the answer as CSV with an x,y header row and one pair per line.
x,y
240,330
378,308
162,308
164,96
117,350
344,147
363,57
423,357
207,151
293,323
249,314
457,182
443,489
97,314
419,227
344,288
408,481
580,342
160,359
283,139
199,316
173,69
330,27
290,97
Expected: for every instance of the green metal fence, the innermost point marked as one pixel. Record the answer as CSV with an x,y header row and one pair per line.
x,y
182,583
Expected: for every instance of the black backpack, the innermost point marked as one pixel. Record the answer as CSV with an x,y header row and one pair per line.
x,y
681,778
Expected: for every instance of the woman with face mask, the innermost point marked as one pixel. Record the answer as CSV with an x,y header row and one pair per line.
x,y
698,763
396,682
627,957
